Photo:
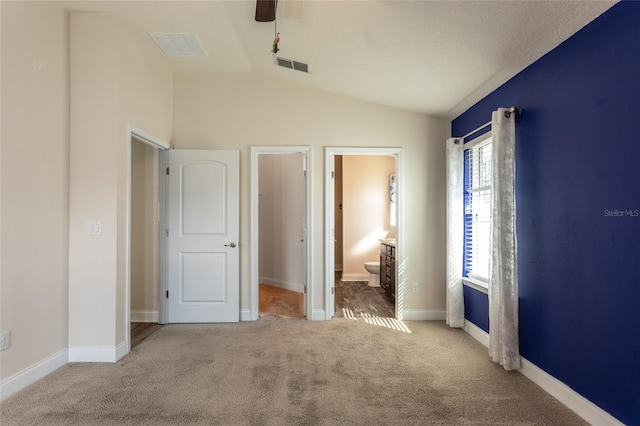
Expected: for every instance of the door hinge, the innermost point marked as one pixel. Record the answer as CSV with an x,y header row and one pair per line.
x,y
331,174
167,294
166,232
333,290
167,170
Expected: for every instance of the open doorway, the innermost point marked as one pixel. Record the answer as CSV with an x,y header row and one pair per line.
x,y
144,241
142,263
363,203
279,232
364,215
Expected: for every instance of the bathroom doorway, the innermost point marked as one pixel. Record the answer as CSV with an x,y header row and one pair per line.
x,y
363,207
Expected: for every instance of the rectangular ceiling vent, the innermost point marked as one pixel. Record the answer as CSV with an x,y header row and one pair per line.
x,y
179,44
291,64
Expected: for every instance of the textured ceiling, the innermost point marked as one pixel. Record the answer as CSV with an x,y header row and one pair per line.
x,y
432,57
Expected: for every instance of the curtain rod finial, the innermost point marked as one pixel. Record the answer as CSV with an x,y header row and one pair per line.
x,y
513,109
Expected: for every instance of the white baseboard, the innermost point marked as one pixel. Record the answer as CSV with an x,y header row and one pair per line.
x,y
97,353
141,315
554,387
421,315
354,277
287,285
32,374
121,350
477,333
245,315
563,393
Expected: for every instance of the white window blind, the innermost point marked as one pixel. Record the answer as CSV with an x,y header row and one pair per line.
x,y
477,209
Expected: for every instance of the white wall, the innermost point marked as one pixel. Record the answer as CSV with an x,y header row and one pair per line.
x,y
34,182
94,177
366,208
116,80
235,111
281,189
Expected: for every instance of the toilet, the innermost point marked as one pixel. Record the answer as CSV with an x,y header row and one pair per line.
x,y
374,273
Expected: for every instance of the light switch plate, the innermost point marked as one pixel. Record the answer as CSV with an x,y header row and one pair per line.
x,y
5,341
94,228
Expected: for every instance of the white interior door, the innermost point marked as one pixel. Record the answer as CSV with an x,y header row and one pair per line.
x,y
202,238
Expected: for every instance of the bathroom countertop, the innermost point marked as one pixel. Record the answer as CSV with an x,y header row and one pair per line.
x,y
388,241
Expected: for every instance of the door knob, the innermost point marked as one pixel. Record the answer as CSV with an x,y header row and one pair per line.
x,y
232,245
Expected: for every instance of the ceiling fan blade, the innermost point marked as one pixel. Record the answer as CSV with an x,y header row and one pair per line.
x,y
266,10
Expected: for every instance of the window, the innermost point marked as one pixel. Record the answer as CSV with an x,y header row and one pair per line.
x,y
477,211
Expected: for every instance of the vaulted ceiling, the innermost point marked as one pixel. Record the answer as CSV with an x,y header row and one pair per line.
x,y
431,57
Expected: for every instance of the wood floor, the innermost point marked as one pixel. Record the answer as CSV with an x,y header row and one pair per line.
x,y
357,298
142,330
352,300
281,302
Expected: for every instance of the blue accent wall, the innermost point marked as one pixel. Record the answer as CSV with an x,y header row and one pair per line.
x,y
578,210
476,307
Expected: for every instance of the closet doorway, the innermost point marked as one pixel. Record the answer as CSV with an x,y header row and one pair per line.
x,y
142,263
279,231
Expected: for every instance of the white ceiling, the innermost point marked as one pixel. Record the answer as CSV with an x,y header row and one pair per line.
x,y
432,57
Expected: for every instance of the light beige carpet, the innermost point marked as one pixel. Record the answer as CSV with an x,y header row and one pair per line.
x,y
278,371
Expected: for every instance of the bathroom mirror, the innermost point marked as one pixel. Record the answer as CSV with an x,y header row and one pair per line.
x,y
392,200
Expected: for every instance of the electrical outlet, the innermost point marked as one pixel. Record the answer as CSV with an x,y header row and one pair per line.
x,y
4,340
415,287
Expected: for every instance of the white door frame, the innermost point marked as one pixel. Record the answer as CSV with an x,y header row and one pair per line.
x,y
256,151
163,264
147,138
329,232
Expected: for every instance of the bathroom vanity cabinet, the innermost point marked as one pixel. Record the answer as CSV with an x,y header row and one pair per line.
x,y
388,268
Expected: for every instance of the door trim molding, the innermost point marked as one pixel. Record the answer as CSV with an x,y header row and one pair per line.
x,y
329,192
144,137
256,151
163,285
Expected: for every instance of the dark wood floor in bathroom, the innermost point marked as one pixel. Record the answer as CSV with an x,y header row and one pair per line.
x,y
355,298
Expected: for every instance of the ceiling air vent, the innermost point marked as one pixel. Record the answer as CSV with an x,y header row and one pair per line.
x,y
179,44
291,64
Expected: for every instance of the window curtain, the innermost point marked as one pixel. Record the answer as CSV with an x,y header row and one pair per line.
x,y
455,232
503,272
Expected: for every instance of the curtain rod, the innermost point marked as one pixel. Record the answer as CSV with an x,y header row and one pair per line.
x,y
507,113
